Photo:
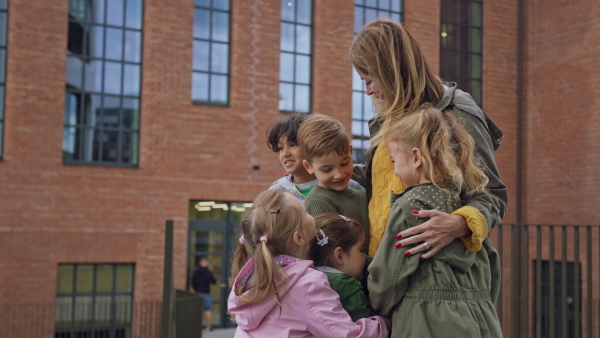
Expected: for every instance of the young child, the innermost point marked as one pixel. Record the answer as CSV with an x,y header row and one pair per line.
x,y
277,293
328,155
282,139
454,291
337,250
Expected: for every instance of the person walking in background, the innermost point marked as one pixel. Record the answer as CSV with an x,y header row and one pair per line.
x,y
453,292
201,281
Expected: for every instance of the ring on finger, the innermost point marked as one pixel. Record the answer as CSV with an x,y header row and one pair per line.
x,y
426,245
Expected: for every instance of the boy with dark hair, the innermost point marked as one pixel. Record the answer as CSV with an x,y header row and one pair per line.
x,y
282,139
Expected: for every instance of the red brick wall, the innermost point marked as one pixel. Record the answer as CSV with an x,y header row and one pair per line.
x,y
562,122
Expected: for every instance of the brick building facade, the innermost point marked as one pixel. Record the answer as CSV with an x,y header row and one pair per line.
x,y
54,213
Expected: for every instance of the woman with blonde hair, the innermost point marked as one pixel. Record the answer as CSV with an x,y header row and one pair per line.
x,y
399,80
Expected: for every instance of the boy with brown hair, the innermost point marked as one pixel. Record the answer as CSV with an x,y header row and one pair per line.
x,y
328,155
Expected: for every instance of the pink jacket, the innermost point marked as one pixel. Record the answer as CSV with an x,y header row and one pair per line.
x,y
310,308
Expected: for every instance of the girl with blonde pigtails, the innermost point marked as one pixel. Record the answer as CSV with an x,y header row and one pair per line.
x,y
277,293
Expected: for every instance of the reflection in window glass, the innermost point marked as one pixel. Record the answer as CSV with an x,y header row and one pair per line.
x,y
461,45
100,80
295,56
94,300
362,109
3,35
210,66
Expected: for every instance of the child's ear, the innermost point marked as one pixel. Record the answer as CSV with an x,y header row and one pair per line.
x,y
338,258
417,158
298,239
308,167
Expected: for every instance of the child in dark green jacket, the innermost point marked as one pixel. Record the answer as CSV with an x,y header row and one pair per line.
x,y
453,292
337,250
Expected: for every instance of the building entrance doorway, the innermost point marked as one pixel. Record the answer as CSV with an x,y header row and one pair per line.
x,y
214,229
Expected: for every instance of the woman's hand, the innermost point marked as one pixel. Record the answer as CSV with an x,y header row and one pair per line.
x,y
440,230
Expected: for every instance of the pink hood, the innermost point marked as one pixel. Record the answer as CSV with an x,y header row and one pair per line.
x,y
310,308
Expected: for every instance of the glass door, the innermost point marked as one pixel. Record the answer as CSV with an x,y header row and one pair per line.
x,y
214,229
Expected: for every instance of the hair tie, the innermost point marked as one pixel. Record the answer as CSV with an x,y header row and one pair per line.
x,y
345,218
321,241
264,238
242,240
273,211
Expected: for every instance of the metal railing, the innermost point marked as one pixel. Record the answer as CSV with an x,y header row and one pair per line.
x,y
550,280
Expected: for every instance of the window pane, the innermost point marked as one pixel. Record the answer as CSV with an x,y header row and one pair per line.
x,y
302,69
359,19
200,86
203,3
384,4
134,14
3,4
288,9
84,278
69,141
104,278
286,67
220,27
112,77
396,5
124,280
96,43
304,12
371,3
357,105
132,80
286,97
201,49
218,88
2,66
74,71
370,15
221,4
93,76
114,12
287,37
114,44
357,82
475,40
476,13
302,99
131,113
303,39
202,24
133,46
65,279
219,58
3,29
476,66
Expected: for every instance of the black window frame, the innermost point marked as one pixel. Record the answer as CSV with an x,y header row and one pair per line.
x,y
209,6
295,54
461,45
364,12
87,127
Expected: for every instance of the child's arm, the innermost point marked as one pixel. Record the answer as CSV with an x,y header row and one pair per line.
x,y
316,207
357,304
390,269
326,317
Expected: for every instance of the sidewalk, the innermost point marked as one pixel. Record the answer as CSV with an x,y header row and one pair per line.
x,y
219,333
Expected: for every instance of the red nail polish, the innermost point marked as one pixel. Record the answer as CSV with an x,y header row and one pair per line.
x,y
398,236
398,245
407,253
415,212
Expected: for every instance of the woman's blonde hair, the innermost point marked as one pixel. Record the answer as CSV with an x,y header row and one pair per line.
x,y
272,216
448,150
385,50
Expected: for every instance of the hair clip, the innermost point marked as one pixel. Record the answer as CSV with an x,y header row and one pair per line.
x,y
242,240
273,211
321,241
264,239
345,218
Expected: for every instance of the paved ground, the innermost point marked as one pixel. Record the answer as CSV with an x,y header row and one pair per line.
x,y
219,333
